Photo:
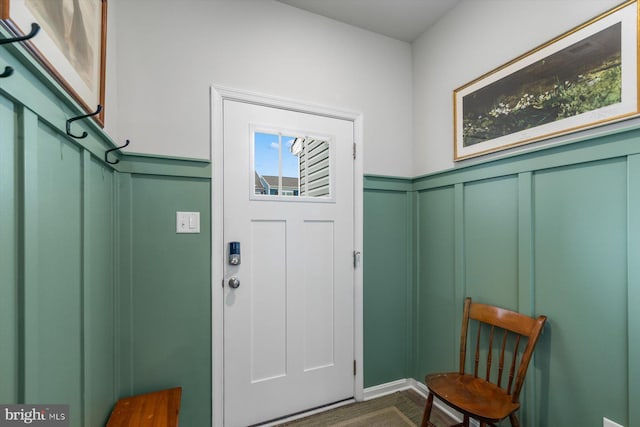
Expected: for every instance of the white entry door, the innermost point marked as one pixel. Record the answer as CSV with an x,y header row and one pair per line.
x,y
289,202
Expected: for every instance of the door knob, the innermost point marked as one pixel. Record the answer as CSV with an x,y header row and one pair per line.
x,y
234,283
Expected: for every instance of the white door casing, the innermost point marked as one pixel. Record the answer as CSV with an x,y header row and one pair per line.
x,y
294,325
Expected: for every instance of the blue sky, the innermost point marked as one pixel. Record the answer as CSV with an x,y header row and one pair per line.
x,y
266,155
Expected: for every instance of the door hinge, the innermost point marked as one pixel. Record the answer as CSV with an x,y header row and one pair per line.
x,y
354,368
356,254
354,150
222,283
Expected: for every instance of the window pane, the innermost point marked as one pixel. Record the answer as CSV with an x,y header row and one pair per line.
x,y
314,168
291,166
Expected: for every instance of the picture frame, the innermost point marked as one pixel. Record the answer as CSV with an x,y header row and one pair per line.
x,y
71,43
584,78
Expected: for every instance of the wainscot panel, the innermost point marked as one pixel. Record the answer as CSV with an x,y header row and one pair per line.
x,y
10,224
388,299
53,361
437,296
166,298
580,270
491,222
99,270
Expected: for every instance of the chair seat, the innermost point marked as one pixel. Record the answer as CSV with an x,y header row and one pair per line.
x,y
479,398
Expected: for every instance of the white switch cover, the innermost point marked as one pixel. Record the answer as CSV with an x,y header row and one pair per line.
x,y
187,222
608,423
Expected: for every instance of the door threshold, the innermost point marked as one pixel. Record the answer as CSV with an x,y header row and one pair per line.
x,y
299,415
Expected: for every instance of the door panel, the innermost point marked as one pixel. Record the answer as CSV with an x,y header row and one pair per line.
x,y
289,326
268,291
319,294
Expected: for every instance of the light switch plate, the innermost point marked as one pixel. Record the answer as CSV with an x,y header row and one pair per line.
x,y
187,222
608,423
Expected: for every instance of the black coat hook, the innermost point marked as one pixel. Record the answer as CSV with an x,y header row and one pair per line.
x,y
34,30
113,149
84,134
7,72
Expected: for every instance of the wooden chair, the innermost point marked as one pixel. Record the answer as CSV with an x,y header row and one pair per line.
x,y
484,398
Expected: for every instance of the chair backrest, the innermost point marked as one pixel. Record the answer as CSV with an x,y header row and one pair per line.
x,y
510,328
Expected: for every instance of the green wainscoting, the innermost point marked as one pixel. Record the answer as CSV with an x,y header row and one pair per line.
x,y
99,274
99,297
388,306
10,239
580,282
53,255
435,235
166,341
555,232
551,232
57,278
490,227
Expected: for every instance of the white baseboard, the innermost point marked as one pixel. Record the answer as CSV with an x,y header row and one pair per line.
x,y
387,388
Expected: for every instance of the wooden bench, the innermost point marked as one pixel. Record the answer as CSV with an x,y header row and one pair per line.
x,y
156,409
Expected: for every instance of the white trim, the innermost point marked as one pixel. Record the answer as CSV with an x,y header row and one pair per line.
x,y
218,95
217,254
358,207
380,390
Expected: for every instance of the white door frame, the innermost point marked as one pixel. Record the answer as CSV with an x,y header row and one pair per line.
x,y
218,95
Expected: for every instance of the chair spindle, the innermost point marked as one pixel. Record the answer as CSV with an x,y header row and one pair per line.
x,y
513,364
501,363
477,357
490,353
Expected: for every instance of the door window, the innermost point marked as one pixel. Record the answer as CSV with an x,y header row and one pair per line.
x,y
289,166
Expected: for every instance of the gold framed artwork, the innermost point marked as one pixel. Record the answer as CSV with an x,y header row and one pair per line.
x,y
71,44
584,78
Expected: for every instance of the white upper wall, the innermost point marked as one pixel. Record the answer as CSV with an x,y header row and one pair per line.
x,y
168,53
472,39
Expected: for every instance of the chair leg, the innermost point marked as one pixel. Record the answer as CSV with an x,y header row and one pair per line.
x,y
465,421
427,411
514,420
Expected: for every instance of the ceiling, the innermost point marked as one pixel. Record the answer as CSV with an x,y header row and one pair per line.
x,y
400,19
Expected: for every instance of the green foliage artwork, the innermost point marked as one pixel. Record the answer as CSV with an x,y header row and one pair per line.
x,y
580,78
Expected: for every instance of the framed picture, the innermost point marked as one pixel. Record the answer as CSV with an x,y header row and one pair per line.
x,y
584,78
70,44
